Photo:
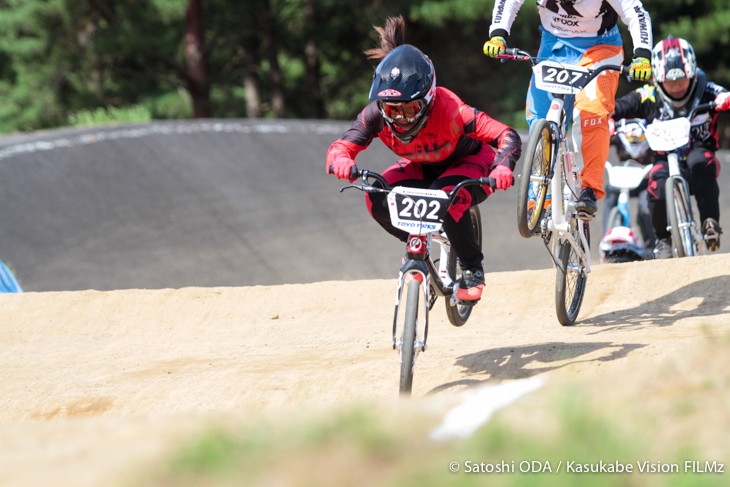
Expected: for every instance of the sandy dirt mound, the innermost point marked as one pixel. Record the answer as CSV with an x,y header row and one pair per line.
x,y
87,372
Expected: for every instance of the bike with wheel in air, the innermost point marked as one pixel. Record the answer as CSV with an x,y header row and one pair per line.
x,y
422,279
549,182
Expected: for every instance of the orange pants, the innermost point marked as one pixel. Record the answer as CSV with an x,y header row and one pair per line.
x,y
593,106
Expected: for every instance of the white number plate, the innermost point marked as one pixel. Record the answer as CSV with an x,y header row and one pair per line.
x,y
668,135
559,78
417,210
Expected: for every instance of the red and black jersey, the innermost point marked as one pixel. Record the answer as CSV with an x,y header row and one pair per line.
x,y
453,130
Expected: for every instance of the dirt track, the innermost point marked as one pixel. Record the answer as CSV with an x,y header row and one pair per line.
x,y
87,373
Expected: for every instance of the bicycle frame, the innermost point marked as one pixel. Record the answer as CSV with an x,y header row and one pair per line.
x,y
563,168
626,177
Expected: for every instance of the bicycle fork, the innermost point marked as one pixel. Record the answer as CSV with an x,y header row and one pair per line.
x,y
417,262
690,225
564,170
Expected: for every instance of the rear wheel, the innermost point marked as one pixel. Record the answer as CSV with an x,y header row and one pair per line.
x,y
679,216
536,164
408,350
459,313
570,279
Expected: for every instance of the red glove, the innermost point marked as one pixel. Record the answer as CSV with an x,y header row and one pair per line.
x,y
340,167
503,176
611,126
723,102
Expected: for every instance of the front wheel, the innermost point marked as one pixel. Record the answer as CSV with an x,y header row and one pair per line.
x,y
615,219
459,313
541,147
679,215
570,279
408,349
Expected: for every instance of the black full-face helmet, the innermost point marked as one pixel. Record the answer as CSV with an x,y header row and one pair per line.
x,y
404,86
673,58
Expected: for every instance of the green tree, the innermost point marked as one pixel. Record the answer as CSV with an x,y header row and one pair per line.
x,y
275,58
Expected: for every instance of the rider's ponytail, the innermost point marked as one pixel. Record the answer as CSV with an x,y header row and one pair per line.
x,y
391,36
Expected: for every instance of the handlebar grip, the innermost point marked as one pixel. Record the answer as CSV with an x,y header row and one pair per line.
x,y
625,70
512,51
489,181
354,171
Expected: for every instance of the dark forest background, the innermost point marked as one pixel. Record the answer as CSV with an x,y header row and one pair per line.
x,y
275,58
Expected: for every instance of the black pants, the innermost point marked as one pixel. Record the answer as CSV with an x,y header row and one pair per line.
x,y
461,232
701,171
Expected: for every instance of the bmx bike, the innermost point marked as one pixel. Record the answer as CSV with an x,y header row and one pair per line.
x,y
629,174
671,136
420,212
548,183
619,243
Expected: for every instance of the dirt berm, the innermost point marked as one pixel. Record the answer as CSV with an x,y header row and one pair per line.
x,y
91,382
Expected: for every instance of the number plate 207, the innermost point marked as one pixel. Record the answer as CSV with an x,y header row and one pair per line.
x,y
558,78
417,210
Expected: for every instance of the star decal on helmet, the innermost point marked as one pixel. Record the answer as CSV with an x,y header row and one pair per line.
x,y
389,93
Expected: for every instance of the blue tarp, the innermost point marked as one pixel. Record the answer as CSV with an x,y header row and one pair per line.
x,y
8,283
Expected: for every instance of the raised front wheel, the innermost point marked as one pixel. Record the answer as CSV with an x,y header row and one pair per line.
x,y
533,180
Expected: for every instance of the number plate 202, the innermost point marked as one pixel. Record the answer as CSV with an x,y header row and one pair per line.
x,y
417,210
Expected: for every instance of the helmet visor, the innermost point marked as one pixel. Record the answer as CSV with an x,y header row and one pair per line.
x,y
409,111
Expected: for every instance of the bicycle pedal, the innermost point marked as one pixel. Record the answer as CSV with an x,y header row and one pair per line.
x,y
712,241
582,215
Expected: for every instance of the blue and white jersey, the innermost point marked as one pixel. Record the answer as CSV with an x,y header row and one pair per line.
x,y
581,18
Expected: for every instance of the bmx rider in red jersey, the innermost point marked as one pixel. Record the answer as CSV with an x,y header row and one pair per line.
x,y
440,139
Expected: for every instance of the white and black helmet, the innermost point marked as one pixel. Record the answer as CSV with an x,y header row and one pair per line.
x,y
405,76
673,58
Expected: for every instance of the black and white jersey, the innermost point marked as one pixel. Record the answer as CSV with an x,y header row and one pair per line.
x,y
646,103
585,18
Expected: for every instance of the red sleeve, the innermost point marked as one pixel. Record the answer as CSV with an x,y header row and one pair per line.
x,y
341,148
480,126
356,139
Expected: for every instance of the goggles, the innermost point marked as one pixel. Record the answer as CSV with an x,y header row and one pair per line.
x,y
409,111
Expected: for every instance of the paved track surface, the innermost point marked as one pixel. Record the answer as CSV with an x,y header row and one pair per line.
x,y
215,203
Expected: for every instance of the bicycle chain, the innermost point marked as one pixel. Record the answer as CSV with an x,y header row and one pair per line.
x,y
545,234
432,298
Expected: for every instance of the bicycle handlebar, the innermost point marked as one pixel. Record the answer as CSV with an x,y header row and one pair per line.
x,y
365,174
701,108
519,55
